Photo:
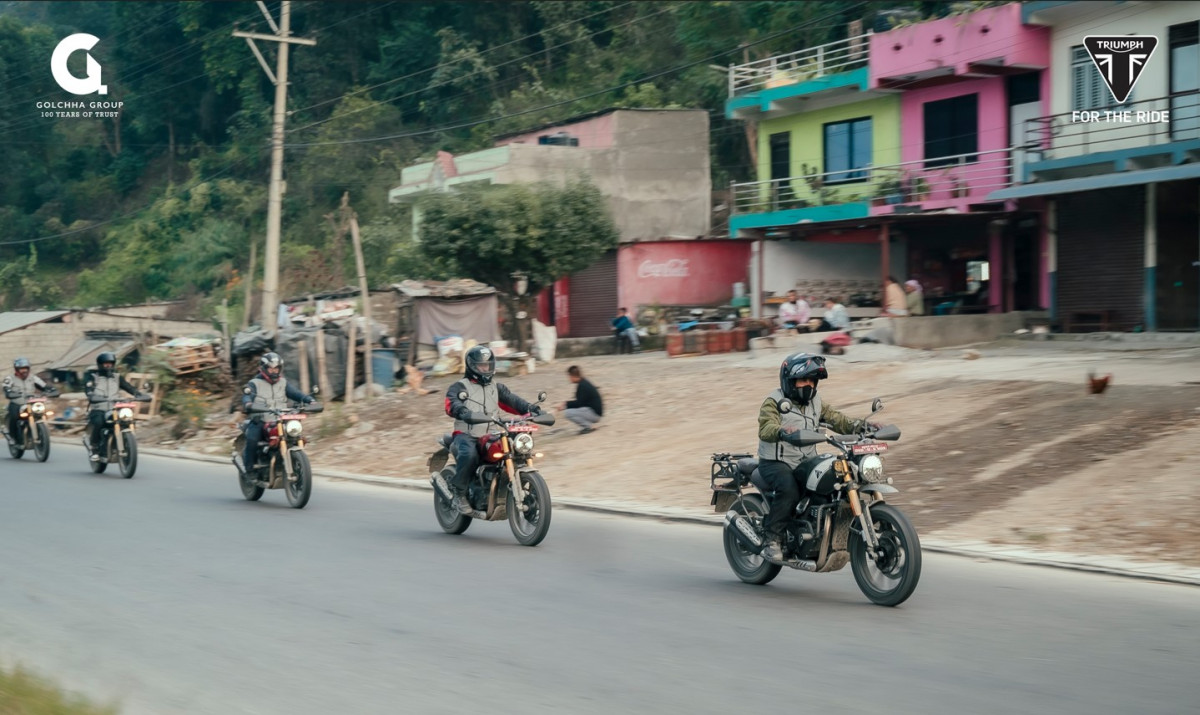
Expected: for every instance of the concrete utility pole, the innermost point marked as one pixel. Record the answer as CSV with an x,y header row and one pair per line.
x,y
283,31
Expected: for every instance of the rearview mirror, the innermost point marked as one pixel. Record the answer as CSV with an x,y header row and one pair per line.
x,y
542,396
785,406
876,405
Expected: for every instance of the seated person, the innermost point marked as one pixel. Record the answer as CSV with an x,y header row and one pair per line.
x,y
795,312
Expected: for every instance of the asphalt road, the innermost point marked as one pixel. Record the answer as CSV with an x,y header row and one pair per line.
x,y
170,594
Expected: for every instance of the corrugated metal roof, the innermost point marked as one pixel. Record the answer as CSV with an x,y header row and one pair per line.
x,y
83,353
444,289
17,319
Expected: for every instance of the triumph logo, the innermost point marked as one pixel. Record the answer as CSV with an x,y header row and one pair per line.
x,y
58,65
1120,60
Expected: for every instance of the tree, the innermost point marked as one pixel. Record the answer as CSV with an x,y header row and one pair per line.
x,y
544,231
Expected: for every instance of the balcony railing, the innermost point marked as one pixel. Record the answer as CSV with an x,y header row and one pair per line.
x,y
1063,135
954,181
850,53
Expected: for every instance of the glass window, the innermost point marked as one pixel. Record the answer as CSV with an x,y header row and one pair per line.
x,y
781,155
847,150
1088,90
952,130
1185,80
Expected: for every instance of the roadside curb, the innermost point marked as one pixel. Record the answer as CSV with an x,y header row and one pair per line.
x,y
1147,571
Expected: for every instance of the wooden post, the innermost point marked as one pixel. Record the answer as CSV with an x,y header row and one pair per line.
x,y
249,284
322,375
305,384
227,344
366,302
351,359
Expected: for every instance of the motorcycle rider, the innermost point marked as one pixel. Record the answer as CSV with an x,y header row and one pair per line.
x,y
103,388
18,388
482,396
781,458
269,390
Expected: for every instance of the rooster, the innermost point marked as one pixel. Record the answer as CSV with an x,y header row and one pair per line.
x,y
1097,385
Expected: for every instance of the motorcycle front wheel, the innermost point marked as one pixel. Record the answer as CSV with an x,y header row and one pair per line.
x,y
749,567
531,524
41,449
299,491
891,578
128,460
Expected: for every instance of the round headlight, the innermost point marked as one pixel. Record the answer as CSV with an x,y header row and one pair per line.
x,y
125,414
37,408
872,468
523,443
294,427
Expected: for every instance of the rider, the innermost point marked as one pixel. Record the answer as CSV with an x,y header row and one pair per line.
x,y
269,390
482,396
18,388
103,388
779,452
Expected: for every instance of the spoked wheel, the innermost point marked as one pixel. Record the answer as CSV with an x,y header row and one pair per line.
x,y
299,491
530,524
128,460
41,448
449,518
748,566
17,449
891,578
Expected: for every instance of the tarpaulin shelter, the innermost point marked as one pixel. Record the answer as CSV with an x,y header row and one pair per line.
x,y
437,309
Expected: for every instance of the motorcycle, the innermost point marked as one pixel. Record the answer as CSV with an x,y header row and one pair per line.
x,y
34,432
282,462
842,518
495,491
117,440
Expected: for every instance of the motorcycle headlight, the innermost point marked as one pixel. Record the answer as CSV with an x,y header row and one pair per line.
x,y
125,414
871,467
523,443
37,408
294,428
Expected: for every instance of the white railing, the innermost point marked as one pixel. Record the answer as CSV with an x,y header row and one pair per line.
x,y
850,53
1065,135
932,183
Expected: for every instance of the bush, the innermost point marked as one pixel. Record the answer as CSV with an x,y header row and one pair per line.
x,y
23,693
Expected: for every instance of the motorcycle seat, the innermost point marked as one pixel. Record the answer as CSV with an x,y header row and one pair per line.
x,y
747,465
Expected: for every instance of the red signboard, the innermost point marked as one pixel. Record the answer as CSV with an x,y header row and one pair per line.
x,y
681,272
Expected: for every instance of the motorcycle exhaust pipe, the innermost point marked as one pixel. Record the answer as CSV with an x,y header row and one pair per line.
x,y
744,532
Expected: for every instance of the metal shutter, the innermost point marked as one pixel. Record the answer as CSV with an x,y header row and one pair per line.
x,y
593,302
1101,249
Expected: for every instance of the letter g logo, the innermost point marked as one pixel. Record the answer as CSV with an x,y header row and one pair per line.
x,y
66,80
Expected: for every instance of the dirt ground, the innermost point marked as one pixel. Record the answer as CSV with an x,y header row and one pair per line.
x,y
991,451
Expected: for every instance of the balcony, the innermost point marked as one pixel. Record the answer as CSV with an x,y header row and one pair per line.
x,y
959,183
1061,146
762,85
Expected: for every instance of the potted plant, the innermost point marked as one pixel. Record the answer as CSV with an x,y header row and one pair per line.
x,y
887,191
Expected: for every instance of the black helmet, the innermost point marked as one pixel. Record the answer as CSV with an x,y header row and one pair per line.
x,y
268,363
801,366
20,363
481,364
105,358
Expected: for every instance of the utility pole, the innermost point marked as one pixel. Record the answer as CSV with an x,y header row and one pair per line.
x,y
283,31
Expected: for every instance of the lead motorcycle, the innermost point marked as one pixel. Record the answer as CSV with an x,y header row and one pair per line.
x,y
842,518
32,432
281,462
505,485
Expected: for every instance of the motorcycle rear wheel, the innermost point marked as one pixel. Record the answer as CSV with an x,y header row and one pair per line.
x,y
449,518
299,491
750,568
531,526
893,578
41,449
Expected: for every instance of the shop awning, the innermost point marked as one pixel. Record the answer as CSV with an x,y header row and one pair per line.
x,y
1092,183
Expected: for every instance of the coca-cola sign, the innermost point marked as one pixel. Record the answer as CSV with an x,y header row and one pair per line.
x,y
674,268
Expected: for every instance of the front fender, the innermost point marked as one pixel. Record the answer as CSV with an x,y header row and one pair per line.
x,y
879,489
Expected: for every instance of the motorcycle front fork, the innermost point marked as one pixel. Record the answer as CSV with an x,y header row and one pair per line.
x,y
862,512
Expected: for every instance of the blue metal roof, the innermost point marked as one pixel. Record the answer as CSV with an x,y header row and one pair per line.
x,y
1104,181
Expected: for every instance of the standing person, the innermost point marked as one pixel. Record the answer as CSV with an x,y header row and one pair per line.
x,y
836,317
587,408
624,327
795,312
916,297
895,305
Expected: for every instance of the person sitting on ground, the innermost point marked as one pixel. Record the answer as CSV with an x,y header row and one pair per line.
x,y
835,318
895,305
916,297
795,312
623,326
587,408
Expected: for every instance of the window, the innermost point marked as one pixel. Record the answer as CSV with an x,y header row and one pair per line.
x,y
781,155
1185,80
1088,90
847,150
952,129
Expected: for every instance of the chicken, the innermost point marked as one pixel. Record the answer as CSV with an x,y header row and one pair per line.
x,y
1097,385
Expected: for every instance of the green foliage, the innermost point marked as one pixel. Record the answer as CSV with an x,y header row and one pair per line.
x,y
23,693
543,230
